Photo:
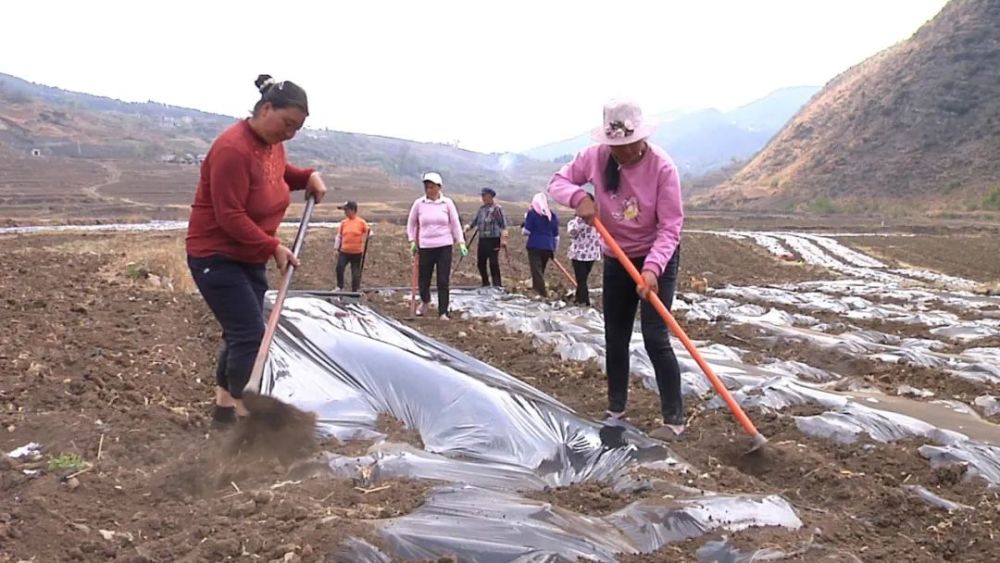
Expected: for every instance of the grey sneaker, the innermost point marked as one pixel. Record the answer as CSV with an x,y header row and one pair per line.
x,y
421,309
443,317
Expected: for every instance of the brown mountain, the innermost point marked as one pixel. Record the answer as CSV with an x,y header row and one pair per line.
x,y
58,123
917,126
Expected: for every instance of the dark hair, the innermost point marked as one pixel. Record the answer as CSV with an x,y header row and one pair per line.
x,y
280,94
612,174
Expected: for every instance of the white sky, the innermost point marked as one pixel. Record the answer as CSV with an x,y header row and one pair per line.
x,y
496,76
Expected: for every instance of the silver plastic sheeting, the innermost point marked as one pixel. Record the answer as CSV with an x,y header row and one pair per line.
x,y
976,364
990,405
510,528
826,251
854,420
773,385
945,324
884,419
981,460
488,434
348,364
935,500
578,333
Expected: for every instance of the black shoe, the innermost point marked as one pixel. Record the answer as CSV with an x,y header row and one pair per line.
x,y
674,419
224,417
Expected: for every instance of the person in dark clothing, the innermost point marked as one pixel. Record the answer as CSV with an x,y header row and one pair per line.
x,y
241,198
541,226
492,227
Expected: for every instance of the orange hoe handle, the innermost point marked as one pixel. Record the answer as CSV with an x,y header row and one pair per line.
x,y
676,329
565,273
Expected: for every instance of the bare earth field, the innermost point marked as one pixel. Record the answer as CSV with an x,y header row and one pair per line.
x,y
104,363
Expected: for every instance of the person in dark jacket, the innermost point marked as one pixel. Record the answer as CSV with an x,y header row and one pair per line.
x,y
541,226
491,224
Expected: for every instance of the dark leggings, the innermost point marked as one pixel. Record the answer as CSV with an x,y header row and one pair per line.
x,y
355,261
439,258
489,252
581,270
620,301
234,291
537,260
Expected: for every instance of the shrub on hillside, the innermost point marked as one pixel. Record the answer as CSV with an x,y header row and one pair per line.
x,y
992,200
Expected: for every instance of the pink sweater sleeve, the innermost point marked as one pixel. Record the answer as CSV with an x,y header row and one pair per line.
x,y
669,219
413,222
566,185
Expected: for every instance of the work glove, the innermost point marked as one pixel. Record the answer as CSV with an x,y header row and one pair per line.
x,y
413,247
463,250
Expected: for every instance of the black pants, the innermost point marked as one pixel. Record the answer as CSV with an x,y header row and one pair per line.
x,y
489,251
234,291
431,258
581,270
620,301
538,259
355,261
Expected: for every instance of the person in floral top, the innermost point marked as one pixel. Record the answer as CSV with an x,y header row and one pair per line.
x,y
584,250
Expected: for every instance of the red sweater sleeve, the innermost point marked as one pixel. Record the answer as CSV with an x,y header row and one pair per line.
x,y
230,180
296,177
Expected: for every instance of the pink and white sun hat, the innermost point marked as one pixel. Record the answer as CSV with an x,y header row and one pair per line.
x,y
623,124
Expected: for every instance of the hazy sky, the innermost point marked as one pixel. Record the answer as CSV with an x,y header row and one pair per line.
x,y
495,76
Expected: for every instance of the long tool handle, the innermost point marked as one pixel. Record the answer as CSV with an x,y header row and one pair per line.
x,y
676,329
564,271
413,284
364,253
279,300
460,258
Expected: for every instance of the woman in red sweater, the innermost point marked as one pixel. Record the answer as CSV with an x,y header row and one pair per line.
x,y
241,199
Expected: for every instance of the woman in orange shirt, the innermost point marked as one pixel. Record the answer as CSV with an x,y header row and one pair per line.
x,y
350,241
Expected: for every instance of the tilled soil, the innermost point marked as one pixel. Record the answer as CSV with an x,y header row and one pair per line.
x,y
98,362
120,373
968,256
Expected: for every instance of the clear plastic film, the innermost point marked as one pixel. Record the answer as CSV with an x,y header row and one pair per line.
x,y
487,434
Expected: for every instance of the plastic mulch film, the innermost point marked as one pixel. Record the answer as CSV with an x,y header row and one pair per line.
x,y
488,435
348,364
779,385
504,527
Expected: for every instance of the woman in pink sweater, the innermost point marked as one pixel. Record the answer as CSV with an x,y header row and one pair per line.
x,y
638,193
433,228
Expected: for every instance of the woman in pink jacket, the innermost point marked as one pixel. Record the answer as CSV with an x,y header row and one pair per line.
x,y
433,228
638,198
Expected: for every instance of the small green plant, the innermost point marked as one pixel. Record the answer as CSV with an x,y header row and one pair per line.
x,y
992,200
65,461
135,271
823,205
